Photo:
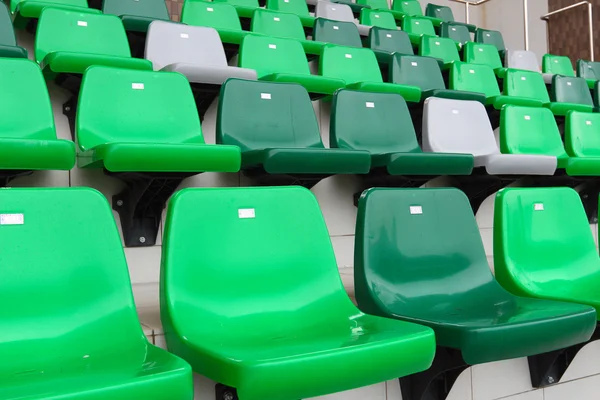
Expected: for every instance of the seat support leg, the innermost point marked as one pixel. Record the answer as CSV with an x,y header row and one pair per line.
x,y
223,392
436,382
589,193
480,187
69,110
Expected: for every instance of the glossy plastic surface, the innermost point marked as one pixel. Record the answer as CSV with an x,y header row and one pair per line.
x,y
419,258
137,14
337,32
543,246
477,78
457,32
441,48
63,267
385,42
570,93
526,84
221,16
306,326
557,65
416,27
478,53
379,18
581,134
494,38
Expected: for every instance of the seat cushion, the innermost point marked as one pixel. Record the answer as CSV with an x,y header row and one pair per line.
x,y
517,164
499,101
210,74
308,161
26,154
410,93
425,163
12,51
161,157
561,109
312,83
583,166
77,63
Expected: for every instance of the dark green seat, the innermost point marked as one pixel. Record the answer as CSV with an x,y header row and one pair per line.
x,y
441,48
386,42
570,94
337,32
589,70
26,10
487,36
63,262
380,123
137,14
283,25
457,32
445,14
251,238
557,65
419,258
380,18
359,69
478,53
8,41
412,8
284,60
417,27
597,96
298,7
275,126
70,42
582,141
244,8
221,16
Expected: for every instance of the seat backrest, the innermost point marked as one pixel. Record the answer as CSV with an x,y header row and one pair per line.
x,y
478,53
7,32
530,130
262,115
390,40
63,269
442,12
379,123
350,64
474,78
454,126
336,32
457,32
542,236
298,7
380,18
408,7
558,65
375,4
334,11
521,59
442,48
423,72
69,31
581,134
418,26
211,14
588,69
121,105
79,3
169,43
420,249
268,55
243,3
566,89
249,243
153,9
522,83
487,36
277,24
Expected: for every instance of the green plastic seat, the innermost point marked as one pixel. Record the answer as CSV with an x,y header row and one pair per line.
x,y
165,136
457,32
380,123
360,70
8,40
379,18
221,16
275,126
543,246
533,130
589,70
70,42
557,65
307,326
284,25
528,86
417,27
412,8
378,5
441,48
28,138
478,53
445,14
597,96
419,258
137,14
336,32
487,36
65,277
298,7
284,60
582,141
570,94
244,8
386,42
26,10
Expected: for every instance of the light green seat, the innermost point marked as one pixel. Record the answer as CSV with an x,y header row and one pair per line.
x,y
28,138
381,124
137,14
360,71
457,32
570,94
487,54
417,27
337,32
379,18
589,70
543,246
8,40
386,42
284,60
582,141
441,48
276,128
65,277
283,25
221,16
557,65
381,5
25,10
309,339
70,42
412,8
244,8
298,7
526,85
445,14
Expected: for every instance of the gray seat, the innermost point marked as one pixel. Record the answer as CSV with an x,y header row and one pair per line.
x,y
454,126
194,51
339,12
527,60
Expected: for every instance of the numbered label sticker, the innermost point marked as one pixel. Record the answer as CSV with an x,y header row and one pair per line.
x,y
246,213
265,96
538,206
416,210
12,219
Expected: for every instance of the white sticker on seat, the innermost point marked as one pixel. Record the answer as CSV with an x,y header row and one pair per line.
x,y
210,9
414,63
437,43
480,49
12,219
376,15
272,46
417,23
471,71
538,206
454,29
81,23
137,86
185,36
332,8
348,55
335,27
416,210
487,34
388,35
265,96
588,122
527,118
370,104
523,78
455,112
569,83
555,61
276,19
245,213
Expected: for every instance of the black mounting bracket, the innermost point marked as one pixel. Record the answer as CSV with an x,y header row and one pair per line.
x,y
137,43
436,382
70,111
378,177
223,392
204,95
548,368
262,178
7,175
480,186
589,194
140,205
